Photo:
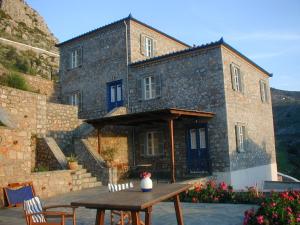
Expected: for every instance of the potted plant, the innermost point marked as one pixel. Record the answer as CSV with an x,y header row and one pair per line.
x,y
72,162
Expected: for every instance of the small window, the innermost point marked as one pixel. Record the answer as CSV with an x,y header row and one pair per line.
x,y
149,47
237,78
264,91
241,137
76,58
149,88
152,143
193,138
75,99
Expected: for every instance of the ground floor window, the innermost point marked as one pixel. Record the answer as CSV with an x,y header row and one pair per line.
x,y
241,137
152,143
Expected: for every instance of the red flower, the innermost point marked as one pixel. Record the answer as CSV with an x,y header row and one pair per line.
x,y
194,200
260,219
145,175
223,186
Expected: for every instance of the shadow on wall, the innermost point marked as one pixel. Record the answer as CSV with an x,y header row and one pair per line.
x,y
64,140
6,119
254,155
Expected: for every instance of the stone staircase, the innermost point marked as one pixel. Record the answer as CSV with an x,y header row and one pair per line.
x,y
83,179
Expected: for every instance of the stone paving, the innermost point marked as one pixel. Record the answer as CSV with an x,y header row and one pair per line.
x,y
163,213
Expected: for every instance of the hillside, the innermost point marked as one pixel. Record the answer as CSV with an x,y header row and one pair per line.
x,y
23,25
286,112
19,22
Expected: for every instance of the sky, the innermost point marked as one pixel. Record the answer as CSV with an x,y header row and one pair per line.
x,y
266,31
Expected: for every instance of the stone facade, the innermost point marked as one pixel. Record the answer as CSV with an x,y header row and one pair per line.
x,y
197,78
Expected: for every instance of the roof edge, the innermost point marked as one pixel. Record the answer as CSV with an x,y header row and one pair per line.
x,y
130,17
204,46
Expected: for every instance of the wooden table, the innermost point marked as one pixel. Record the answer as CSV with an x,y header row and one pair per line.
x,y
135,201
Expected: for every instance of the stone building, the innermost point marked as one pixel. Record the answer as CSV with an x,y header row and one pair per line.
x,y
218,98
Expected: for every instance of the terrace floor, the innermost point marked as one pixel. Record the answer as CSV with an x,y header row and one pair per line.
x,y
163,213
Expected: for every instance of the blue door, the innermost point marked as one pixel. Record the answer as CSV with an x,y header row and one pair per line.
x,y
114,94
197,152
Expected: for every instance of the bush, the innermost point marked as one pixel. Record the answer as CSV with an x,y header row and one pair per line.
x,y
16,81
222,193
279,208
22,65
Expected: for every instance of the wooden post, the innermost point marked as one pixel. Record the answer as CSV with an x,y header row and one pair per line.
x,y
178,210
99,140
172,151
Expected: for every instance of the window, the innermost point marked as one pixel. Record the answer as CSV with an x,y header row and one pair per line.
x,y
237,78
76,58
202,137
152,143
193,139
263,91
148,47
241,138
75,99
149,88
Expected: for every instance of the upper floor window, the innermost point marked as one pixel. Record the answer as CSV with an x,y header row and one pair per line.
x,y
76,58
241,137
149,46
149,87
152,143
76,99
263,91
237,78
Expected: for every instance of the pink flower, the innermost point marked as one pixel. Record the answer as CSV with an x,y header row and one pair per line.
x,y
260,219
273,204
145,175
223,186
274,215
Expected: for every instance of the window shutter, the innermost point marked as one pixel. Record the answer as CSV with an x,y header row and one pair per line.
x,y
139,87
142,144
261,90
237,138
142,44
157,81
154,48
161,143
80,105
267,93
242,82
246,139
232,77
79,56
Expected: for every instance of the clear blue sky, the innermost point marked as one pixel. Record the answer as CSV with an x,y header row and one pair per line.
x,y
267,31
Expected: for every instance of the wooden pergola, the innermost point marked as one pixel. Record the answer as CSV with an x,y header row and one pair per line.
x,y
149,117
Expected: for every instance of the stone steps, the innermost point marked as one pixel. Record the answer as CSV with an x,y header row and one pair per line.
x,y
83,179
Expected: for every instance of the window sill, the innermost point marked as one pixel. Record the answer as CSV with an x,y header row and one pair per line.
x,y
70,69
150,99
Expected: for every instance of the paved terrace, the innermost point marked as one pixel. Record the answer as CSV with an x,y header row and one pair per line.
x,y
163,213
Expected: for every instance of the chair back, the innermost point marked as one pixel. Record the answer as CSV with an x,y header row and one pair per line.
x,y
119,187
34,206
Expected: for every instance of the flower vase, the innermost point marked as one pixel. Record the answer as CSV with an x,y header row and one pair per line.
x,y
146,184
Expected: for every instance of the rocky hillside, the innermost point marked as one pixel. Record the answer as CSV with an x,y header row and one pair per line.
x,y
286,112
22,24
19,22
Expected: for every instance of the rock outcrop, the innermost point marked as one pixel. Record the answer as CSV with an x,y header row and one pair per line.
x,y
19,22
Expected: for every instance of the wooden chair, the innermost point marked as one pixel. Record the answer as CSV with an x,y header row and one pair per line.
x,y
124,218
16,193
35,214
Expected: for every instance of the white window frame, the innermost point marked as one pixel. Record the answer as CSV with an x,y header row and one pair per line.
x,y
149,46
263,91
75,58
75,100
151,147
237,78
149,88
241,137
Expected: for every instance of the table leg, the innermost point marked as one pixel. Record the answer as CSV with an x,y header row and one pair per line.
x,y
100,217
178,210
136,220
148,216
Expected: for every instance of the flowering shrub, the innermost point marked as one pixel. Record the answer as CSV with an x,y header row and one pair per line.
x,y
222,193
145,175
279,208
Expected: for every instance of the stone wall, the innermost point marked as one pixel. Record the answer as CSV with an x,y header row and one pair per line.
x,y
31,112
163,44
15,164
104,60
189,81
44,86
